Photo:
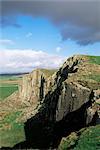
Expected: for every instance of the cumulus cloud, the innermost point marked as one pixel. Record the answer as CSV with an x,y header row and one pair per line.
x,y
78,20
6,42
26,60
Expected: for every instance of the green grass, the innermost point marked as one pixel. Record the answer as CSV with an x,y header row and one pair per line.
x,y
93,77
9,77
66,143
88,139
15,133
7,89
10,117
94,59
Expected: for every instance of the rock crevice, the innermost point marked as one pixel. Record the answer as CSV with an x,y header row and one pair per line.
x,y
65,105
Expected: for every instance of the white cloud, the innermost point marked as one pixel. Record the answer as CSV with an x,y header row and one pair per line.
x,y
58,49
29,34
6,42
26,60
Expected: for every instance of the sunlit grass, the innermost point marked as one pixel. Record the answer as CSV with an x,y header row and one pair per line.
x,y
11,132
94,59
7,89
85,139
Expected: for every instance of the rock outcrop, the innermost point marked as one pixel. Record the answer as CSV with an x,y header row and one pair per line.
x,y
65,105
34,86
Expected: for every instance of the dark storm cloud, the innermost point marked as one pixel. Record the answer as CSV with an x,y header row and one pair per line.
x,y
78,20
9,22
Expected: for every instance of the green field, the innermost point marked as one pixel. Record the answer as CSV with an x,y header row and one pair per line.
x,y
7,89
8,85
94,77
10,77
94,59
11,131
89,139
85,139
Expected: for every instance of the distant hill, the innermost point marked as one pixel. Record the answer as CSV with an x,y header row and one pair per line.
x,y
12,74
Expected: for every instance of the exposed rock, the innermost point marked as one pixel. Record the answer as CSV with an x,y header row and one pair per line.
x,y
29,92
97,103
64,104
34,87
72,97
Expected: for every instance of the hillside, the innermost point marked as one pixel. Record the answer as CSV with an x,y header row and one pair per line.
x,y
86,138
51,104
88,73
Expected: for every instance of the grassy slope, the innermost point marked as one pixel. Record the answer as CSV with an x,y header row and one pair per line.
x,y
6,90
88,73
7,87
89,139
11,132
95,77
3,77
85,139
94,59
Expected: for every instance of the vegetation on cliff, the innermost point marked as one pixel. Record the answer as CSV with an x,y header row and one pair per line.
x,y
54,100
11,131
85,139
94,59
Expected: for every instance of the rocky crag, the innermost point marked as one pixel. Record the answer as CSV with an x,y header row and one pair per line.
x,y
66,101
34,86
65,105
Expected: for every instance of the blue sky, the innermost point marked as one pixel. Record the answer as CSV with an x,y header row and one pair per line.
x,y
35,34
40,34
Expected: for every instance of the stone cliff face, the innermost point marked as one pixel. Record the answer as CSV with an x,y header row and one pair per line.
x,y
65,97
72,97
65,104
34,87
30,90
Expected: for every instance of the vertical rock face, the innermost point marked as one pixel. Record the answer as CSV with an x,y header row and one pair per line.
x,y
59,95
64,96
66,104
33,87
72,97
65,107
